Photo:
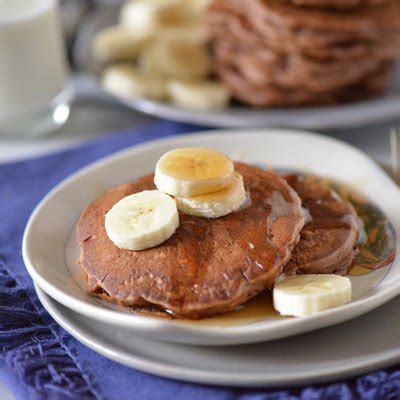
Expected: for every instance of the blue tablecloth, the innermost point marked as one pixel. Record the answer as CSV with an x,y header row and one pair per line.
x,y
39,360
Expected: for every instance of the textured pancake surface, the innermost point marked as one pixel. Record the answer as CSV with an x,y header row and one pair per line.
x,y
337,4
277,53
208,266
328,243
267,15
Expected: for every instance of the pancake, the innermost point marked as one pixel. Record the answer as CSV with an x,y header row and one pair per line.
x,y
328,243
262,66
208,266
315,45
275,95
337,4
266,15
275,53
225,20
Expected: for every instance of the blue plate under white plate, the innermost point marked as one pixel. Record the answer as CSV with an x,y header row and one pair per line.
x,y
50,249
382,108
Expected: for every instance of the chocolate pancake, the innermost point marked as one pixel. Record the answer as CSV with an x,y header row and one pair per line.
x,y
227,19
263,66
275,95
316,46
365,22
328,242
274,53
337,4
208,266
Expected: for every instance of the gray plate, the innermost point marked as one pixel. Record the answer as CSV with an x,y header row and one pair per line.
x,y
366,343
382,108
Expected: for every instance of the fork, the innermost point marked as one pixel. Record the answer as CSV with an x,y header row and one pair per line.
x,y
395,154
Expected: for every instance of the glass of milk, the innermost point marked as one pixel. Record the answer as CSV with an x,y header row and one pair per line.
x,y
35,95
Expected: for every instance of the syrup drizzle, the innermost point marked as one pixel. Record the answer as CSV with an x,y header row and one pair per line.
x,y
376,239
376,249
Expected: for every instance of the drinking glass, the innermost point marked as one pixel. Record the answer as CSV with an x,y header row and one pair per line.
x,y
35,93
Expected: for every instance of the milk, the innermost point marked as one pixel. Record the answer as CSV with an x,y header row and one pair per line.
x,y
32,59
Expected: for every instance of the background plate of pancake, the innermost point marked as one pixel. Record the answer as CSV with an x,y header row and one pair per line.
x,y
310,64
51,252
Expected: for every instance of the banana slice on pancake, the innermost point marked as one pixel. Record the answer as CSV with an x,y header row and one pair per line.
x,y
142,220
302,295
191,171
215,204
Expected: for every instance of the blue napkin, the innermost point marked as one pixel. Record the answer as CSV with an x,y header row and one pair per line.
x,y
39,360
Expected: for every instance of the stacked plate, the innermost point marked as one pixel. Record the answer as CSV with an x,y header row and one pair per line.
x,y
223,351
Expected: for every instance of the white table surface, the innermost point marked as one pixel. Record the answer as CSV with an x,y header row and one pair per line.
x,y
92,117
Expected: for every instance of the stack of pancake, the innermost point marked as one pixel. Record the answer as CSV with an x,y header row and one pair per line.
x,y
209,266
298,52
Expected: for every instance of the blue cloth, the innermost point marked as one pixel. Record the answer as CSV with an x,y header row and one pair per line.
x,y
38,360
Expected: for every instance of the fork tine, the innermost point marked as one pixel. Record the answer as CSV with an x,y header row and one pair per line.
x,y
395,153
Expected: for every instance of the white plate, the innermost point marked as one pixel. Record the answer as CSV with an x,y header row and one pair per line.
x,y
379,109
366,343
50,251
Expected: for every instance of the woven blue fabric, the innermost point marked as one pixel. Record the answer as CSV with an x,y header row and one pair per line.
x,y
38,360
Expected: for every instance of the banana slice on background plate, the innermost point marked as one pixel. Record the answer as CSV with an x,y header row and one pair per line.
x,y
187,172
194,33
199,5
198,95
116,44
127,81
302,295
142,220
143,17
176,59
151,17
215,204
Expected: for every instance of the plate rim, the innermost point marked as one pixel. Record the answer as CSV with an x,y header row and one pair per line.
x,y
368,107
237,334
219,378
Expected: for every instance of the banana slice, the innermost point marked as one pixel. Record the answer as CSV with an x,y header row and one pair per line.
x,y
142,220
116,44
191,171
200,95
199,5
149,18
308,294
216,204
179,59
142,16
194,33
127,81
